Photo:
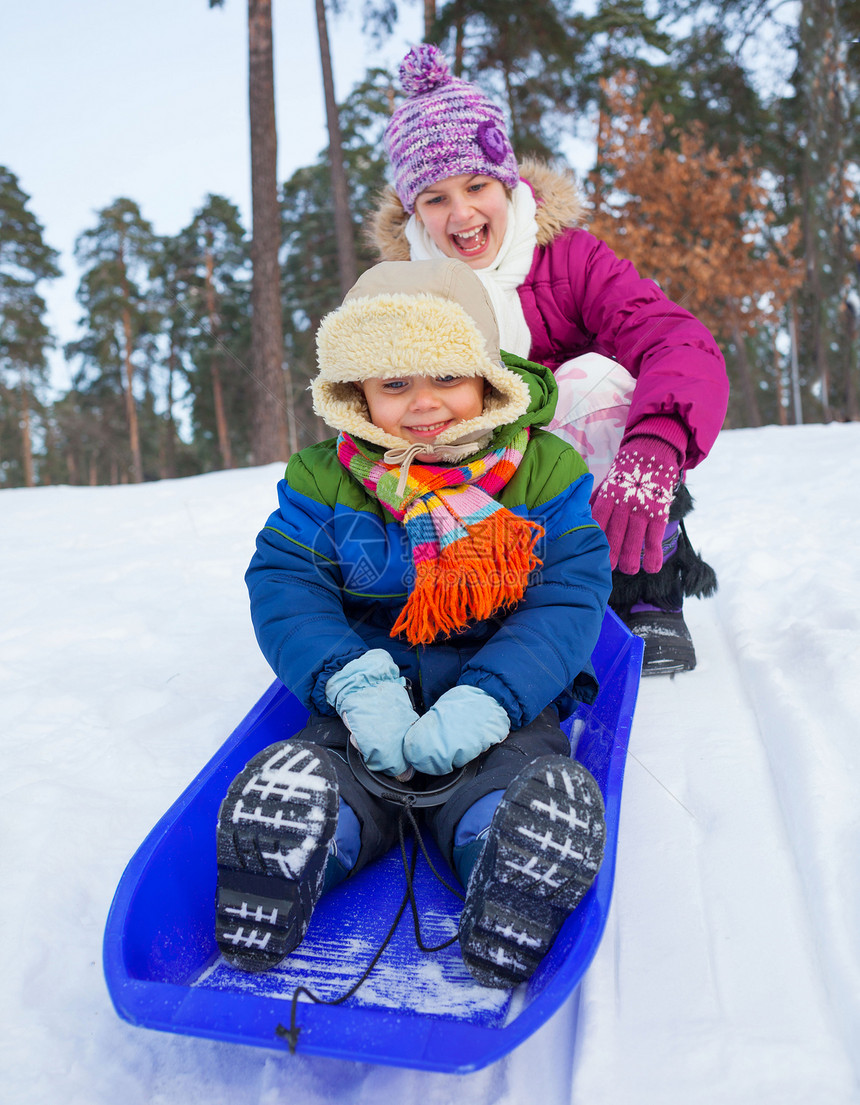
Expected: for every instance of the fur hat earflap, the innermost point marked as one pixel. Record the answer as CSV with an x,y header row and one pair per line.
x,y
414,318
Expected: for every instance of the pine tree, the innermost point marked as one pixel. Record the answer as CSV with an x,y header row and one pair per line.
x,y
168,284
344,234
523,55
25,261
827,120
713,90
213,295
116,255
808,134
310,274
270,374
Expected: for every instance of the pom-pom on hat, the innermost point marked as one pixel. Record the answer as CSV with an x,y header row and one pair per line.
x,y
445,128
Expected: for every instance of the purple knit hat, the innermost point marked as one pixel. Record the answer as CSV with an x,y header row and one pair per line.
x,y
446,127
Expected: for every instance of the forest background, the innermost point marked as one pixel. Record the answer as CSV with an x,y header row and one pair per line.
x,y
724,161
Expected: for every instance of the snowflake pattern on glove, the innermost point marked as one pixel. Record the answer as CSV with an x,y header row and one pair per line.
x,y
636,478
632,504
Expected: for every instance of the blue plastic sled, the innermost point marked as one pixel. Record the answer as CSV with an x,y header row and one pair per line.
x,y
416,1010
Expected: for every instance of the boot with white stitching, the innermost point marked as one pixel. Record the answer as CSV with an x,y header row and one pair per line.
x,y
274,830
543,851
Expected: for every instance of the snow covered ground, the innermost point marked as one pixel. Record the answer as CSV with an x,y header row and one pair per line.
x,y
730,967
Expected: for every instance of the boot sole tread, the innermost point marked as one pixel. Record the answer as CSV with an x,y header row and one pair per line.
x,y
274,827
519,896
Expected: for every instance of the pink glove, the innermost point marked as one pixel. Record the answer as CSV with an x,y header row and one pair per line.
x,y
632,504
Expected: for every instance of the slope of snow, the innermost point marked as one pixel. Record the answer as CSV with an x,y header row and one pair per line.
x,y
730,967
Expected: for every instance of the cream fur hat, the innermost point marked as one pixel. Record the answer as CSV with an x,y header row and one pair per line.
x,y
411,318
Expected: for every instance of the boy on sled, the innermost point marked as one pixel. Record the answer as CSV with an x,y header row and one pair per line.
x,y
431,588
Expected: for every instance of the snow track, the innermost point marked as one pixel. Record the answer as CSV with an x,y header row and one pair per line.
x,y
710,979
730,967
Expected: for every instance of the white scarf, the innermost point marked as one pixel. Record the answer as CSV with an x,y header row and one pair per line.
x,y
507,271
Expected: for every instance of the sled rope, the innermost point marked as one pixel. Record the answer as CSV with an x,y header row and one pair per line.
x,y
407,814
291,1034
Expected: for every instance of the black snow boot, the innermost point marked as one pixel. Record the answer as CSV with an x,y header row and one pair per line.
x,y
668,644
543,851
274,831
651,605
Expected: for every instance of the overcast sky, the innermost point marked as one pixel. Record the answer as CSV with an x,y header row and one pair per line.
x,y
108,98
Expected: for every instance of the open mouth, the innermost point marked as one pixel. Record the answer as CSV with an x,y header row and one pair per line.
x,y
472,241
430,430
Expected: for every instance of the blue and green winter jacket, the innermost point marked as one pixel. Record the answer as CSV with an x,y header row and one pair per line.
x,y
333,569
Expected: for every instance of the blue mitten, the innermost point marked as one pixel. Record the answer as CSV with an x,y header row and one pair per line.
x,y
463,723
370,695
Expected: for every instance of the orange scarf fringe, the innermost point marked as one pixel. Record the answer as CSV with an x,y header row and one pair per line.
x,y
454,589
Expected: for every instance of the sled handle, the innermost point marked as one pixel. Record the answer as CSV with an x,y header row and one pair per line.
x,y
422,790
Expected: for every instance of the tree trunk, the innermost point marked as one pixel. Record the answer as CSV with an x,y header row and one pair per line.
x,y
168,468
267,342
781,412
429,18
826,135
795,365
852,409
217,388
745,371
292,424
459,38
130,408
343,228
26,437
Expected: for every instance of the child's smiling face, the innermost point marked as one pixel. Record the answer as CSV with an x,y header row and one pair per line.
x,y
466,216
420,408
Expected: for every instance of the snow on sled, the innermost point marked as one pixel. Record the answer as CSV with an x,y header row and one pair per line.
x,y
417,1010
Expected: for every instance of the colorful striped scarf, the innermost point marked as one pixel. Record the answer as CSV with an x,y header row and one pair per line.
x,y
472,556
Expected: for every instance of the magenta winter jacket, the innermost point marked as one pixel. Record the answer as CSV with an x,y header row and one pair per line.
x,y
580,297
